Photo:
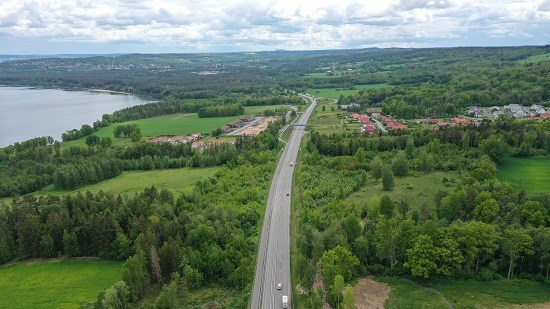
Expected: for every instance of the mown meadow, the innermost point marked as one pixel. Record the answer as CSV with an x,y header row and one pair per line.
x,y
55,283
466,293
531,175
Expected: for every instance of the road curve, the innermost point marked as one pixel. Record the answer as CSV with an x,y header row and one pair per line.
x,y
273,259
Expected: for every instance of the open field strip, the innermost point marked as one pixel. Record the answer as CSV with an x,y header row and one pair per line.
x,y
335,93
177,180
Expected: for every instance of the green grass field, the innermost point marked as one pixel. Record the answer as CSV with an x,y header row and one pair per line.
x,y
417,190
55,283
467,294
176,180
330,121
174,124
529,174
323,75
536,58
335,93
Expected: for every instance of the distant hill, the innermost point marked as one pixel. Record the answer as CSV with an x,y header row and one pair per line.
x,y
6,58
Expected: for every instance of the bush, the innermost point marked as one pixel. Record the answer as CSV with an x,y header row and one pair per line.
x,y
376,269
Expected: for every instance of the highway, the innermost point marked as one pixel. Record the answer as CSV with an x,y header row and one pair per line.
x,y
273,259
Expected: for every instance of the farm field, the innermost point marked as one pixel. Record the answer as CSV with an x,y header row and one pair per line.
x,y
417,190
335,93
536,58
55,283
468,294
174,124
531,175
177,180
323,75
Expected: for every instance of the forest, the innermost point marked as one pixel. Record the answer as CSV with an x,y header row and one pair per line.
x,y
203,238
477,228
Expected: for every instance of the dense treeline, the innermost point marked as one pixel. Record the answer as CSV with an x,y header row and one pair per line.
x,y
276,100
479,228
30,166
221,111
205,237
524,84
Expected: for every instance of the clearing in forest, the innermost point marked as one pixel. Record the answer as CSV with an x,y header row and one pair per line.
x,y
177,180
531,175
420,191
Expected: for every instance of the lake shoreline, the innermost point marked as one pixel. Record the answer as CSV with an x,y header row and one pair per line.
x,y
30,112
92,90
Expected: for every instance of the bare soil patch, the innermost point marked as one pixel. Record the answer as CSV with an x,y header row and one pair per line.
x,y
370,294
258,127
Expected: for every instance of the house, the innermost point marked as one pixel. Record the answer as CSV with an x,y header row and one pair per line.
x,y
366,124
347,106
198,144
390,123
460,121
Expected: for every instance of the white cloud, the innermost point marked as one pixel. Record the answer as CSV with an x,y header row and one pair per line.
x,y
252,25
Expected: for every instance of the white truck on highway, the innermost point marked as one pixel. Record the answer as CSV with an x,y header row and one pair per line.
x,y
285,301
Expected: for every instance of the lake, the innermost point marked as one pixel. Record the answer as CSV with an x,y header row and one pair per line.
x,y
27,113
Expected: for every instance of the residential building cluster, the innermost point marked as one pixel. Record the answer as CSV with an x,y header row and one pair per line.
x,y
516,110
456,121
366,123
389,122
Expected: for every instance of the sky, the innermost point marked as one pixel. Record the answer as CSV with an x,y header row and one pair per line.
x,y
160,26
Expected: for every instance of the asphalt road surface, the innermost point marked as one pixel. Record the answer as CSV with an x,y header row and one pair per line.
x,y
273,261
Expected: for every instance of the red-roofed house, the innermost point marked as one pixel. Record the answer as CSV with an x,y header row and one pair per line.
x,y
460,121
390,123
198,144
366,124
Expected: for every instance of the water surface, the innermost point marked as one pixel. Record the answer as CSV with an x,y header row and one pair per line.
x,y
27,113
